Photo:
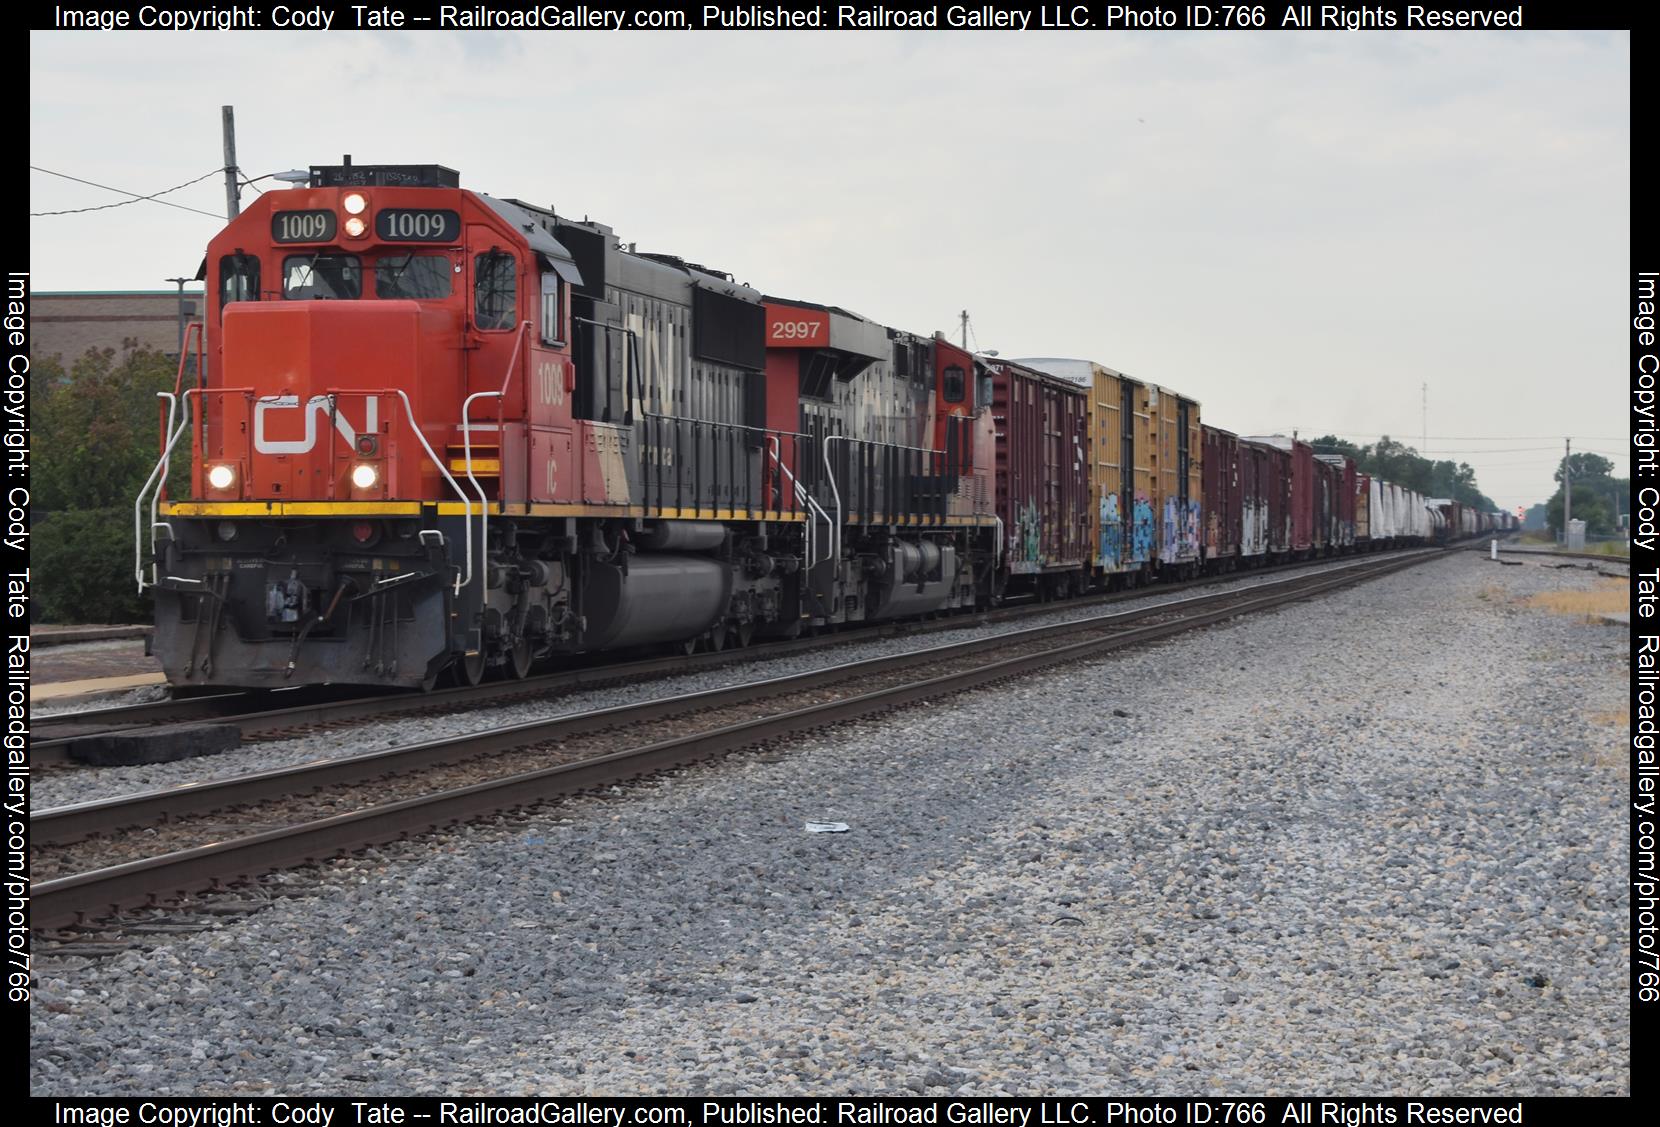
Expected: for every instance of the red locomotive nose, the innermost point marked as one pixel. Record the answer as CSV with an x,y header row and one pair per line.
x,y
319,386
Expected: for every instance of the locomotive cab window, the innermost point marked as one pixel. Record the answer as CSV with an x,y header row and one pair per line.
x,y
553,324
495,293
320,277
417,276
238,278
954,384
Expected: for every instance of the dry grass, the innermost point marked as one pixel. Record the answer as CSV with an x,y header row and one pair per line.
x,y
1618,718
1609,596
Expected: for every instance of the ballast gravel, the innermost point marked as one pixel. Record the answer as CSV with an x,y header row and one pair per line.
x,y
78,785
1370,843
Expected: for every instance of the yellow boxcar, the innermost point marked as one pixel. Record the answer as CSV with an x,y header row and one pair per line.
x,y
1177,476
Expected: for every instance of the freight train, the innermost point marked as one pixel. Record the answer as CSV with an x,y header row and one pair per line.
x,y
435,432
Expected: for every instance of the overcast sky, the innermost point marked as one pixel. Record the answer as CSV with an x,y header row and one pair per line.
x,y
1299,230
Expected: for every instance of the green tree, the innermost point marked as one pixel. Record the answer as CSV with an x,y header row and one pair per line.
x,y
1396,462
97,430
1591,505
1589,468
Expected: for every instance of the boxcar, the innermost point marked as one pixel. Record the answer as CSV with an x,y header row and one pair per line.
x,y
1223,494
1363,510
1122,528
1304,532
1177,476
1265,473
1043,497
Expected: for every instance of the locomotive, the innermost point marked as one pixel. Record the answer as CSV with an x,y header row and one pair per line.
x,y
435,432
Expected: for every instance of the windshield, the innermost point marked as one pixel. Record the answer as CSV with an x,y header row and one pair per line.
x,y
321,276
413,276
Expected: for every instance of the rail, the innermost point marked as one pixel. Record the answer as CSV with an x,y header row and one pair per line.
x,y
921,675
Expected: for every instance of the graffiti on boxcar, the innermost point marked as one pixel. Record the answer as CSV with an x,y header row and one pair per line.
x,y
1112,533
1181,530
1026,547
1141,530
1255,526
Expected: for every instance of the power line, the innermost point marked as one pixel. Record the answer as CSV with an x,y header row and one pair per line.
x,y
136,198
1491,437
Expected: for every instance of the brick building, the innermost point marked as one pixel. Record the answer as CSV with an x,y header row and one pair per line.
x,y
67,324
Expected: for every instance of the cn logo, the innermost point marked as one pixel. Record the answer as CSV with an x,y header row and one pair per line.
x,y
316,405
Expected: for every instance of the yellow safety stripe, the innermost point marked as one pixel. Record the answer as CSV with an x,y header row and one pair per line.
x,y
455,509
291,508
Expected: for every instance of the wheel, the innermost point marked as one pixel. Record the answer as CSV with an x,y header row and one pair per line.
x,y
519,660
745,634
688,647
717,638
468,669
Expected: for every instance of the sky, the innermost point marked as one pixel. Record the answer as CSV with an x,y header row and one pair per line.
x,y
1299,230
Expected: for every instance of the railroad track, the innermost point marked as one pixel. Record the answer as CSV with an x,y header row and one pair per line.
x,y
1517,550
284,713
211,833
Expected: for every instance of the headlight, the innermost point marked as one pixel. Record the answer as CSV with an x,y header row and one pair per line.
x,y
364,475
221,477
355,228
354,203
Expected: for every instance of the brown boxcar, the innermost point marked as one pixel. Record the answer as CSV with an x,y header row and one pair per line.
x,y
1305,532
1363,509
1042,445
1223,510
1265,473
1340,514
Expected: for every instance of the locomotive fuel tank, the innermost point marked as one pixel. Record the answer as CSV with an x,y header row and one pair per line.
x,y
660,598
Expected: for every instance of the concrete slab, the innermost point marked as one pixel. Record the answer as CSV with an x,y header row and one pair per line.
x,y
57,689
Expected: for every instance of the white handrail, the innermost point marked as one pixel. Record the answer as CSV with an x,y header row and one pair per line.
x,y
466,505
483,501
467,449
805,498
156,475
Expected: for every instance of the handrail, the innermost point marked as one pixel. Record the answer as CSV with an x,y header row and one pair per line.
x,y
501,453
805,498
835,490
155,474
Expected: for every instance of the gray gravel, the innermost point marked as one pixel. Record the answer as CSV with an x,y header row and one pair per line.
x,y
62,788
1372,843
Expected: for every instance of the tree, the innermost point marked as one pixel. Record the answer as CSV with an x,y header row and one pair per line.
x,y
1591,505
1401,464
97,429
1589,468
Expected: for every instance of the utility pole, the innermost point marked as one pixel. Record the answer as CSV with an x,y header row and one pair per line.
x,y
180,283
1424,420
1567,486
233,194
965,330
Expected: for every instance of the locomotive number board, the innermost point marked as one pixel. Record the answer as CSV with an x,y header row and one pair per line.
x,y
302,226
417,225
789,326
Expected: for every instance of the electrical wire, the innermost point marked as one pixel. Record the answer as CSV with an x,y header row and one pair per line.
x,y
123,192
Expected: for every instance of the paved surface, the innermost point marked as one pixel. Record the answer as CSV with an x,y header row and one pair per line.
x,y
61,671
